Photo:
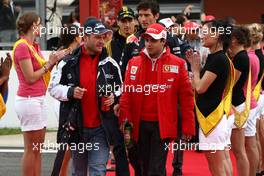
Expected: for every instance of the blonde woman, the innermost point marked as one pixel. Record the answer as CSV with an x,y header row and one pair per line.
x,y
260,127
257,35
250,130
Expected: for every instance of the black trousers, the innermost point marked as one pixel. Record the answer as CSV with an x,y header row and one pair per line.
x,y
151,149
134,159
115,137
179,154
177,161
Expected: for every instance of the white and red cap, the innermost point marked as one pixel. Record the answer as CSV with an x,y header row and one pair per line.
x,y
190,25
209,18
167,22
156,31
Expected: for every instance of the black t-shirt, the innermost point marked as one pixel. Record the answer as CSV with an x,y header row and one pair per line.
x,y
260,55
241,63
218,64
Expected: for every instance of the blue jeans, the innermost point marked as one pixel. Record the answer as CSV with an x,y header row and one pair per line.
x,y
92,159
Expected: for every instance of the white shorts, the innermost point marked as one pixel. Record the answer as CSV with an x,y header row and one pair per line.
x,y
250,129
32,112
238,108
230,125
231,122
217,139
260,106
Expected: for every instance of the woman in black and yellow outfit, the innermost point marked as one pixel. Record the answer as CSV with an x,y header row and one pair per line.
x,y
260,123
254,123
210,83
240,98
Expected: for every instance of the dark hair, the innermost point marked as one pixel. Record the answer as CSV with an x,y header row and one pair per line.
x,y
25,22
224,37
152,5
181,19
242,35
66,38
77,12
72,16
230,20
90,18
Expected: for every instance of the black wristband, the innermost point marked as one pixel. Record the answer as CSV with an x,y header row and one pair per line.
x,y
70,93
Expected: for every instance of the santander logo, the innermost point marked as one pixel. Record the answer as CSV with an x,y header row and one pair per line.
x,y
152,30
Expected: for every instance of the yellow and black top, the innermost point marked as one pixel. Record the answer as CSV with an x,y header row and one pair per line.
x,y
211,105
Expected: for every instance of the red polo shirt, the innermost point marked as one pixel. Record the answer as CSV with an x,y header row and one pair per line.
x,y
88,74
149,110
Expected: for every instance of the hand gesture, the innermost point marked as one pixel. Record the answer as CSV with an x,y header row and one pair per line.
x,y
187,137
194,59
57,56
188,9
78,92
117,110
109,100
6,65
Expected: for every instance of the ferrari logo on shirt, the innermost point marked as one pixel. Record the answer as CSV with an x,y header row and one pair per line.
x,y
170,68
133,70
166,68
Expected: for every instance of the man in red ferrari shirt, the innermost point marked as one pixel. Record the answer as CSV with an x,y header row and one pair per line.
x,y
84,83
155,82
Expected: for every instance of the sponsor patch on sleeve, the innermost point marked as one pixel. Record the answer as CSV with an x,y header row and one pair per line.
x,y
133,70
174,69
132,77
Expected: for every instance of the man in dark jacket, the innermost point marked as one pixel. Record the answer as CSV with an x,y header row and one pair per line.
x,y
115,47
8,16
86,81
126,24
